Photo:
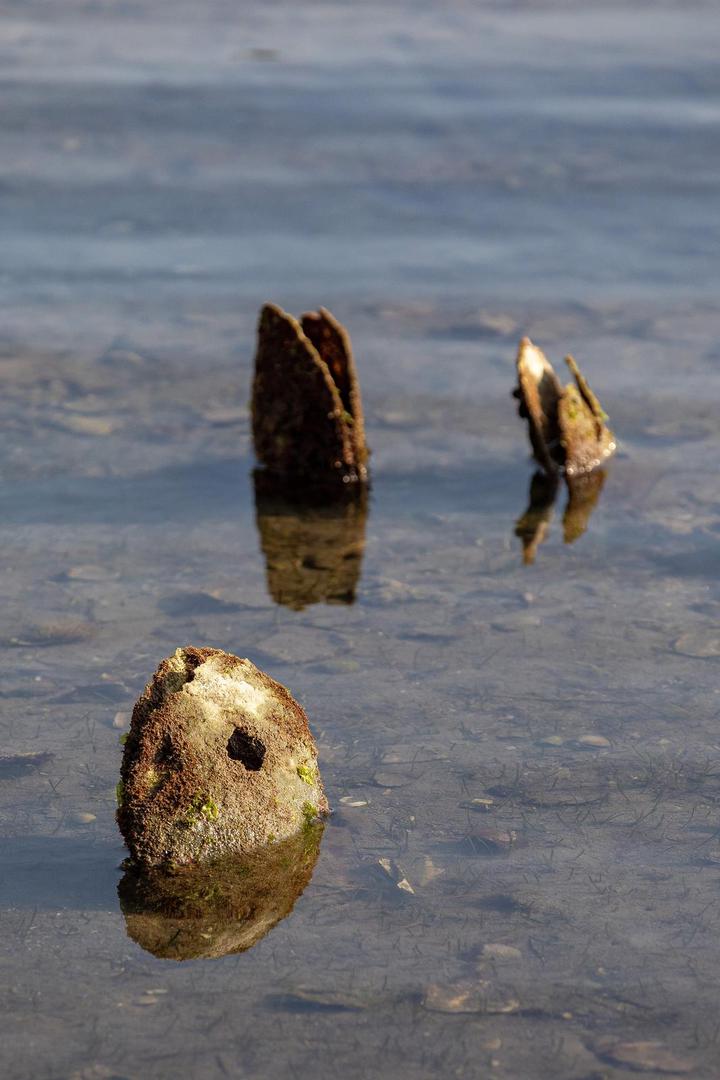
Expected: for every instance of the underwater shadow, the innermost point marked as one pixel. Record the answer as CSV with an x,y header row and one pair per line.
x,y
52,872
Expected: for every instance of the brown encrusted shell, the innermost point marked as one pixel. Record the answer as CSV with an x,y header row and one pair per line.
x,y
332,342
219,761
306,408
566,425
585,439
194,912
539,390
313,548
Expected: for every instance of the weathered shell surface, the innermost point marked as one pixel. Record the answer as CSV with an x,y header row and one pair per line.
x,y
566,424
219,761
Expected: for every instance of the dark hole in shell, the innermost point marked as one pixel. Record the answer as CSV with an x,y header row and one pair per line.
x,y
246,748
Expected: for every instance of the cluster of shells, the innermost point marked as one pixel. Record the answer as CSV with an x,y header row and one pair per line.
x,y
219,772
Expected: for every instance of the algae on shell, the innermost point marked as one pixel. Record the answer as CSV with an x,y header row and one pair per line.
x,y
566,424
219,761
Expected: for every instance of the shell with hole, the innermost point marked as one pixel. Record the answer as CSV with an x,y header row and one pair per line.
x,y
219,761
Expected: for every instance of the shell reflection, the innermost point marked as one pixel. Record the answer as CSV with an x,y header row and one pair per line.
x,y
583,495
218,910
312,541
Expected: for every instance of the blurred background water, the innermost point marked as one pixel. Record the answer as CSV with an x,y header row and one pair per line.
x,y
521,876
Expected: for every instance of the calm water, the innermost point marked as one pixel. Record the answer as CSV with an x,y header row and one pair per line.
x,y
444,181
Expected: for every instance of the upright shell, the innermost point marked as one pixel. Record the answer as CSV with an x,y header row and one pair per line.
x,y
566,424
306,409
219,761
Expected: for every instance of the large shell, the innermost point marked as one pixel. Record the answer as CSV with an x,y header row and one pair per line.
x,y
306,409
219,761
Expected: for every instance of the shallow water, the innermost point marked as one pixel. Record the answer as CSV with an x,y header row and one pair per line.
x,y
445,183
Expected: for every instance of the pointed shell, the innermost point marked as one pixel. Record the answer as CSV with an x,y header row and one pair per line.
x,y
303,426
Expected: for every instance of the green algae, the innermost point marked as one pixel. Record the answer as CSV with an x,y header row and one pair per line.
x,y
306,774
310,815
202,806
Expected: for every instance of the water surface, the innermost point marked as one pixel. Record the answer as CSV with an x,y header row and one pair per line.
x,y
444,182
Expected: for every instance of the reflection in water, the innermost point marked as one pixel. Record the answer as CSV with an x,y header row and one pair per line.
x,y
313,541
583,495
532,527
212,911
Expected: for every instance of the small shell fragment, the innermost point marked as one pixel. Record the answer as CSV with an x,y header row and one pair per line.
x,y
592,742
469,997
489,841
482,805
391,869
497,951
